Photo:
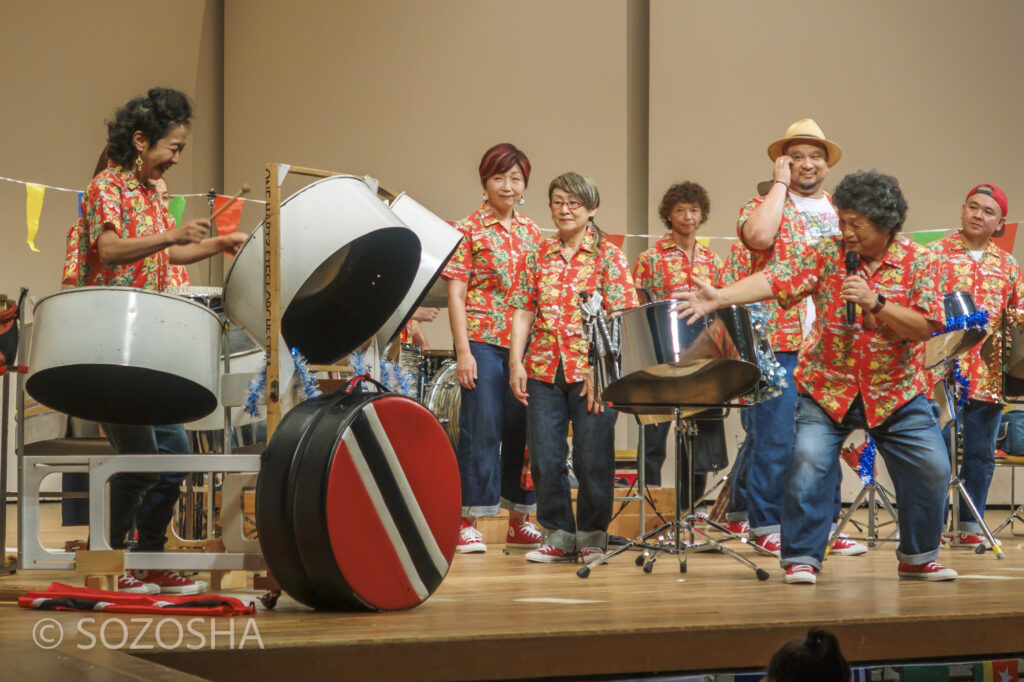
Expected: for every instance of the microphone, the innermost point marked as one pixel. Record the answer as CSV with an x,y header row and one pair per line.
x,y
851,269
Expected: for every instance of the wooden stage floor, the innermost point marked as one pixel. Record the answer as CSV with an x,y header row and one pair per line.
x,y
497,617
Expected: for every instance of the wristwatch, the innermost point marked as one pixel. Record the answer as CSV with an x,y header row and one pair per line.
x,y
879,304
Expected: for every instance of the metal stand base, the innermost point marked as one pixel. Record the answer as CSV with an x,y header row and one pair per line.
x,y
957,486
669,536
874,492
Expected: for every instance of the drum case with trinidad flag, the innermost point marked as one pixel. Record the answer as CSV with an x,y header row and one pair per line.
x,y
358,502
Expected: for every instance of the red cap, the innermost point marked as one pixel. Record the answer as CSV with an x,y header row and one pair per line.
x,y
992,191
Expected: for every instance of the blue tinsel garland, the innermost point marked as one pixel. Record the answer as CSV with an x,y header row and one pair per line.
x,y
397,378
310,389
258,386
976,320
773,374
866,468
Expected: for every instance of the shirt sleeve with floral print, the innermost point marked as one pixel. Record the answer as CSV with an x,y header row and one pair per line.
x,y
840,361
549,285
488,260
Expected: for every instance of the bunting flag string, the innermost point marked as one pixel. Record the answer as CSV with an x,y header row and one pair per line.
x,y
226,225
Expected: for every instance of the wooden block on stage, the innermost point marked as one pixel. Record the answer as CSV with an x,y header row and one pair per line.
x,y
229,580
109,561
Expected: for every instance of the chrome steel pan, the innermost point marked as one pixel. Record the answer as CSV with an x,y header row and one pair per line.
x,y
124,355
665,362
347,263
953,344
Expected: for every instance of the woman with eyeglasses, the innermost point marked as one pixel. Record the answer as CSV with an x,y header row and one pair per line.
x,y
492,424
555,383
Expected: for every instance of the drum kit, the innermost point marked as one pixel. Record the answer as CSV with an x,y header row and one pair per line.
x,y
355,261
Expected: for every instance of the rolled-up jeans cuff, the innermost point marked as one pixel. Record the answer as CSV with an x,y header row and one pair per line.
x,y
786,562
918,559
764,530
561,539
969,527
735,517
517,506
591,538
480,512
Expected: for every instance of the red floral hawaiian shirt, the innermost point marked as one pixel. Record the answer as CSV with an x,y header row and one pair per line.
x,y
70,273
839,361
665,268
488,260
785,331
550,284
995,283
115,197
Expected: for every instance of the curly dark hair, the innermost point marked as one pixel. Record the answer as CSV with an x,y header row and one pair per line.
x,y
154,115
874,195
816,659
688,193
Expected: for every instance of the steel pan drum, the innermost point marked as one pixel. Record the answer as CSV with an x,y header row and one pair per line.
x,y
439,240
953,344
124,355
347,263
665,362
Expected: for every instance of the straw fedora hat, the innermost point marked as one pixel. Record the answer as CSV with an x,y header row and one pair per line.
x,y
805,130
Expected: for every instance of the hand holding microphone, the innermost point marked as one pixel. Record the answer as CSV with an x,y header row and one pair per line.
x,y
855,289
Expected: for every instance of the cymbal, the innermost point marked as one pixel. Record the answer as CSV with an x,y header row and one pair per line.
x,y
952,344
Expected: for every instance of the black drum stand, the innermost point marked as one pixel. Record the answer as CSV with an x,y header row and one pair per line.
x,y
669,537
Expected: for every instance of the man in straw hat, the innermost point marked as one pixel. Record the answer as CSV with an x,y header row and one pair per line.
x,y
968,261
795,210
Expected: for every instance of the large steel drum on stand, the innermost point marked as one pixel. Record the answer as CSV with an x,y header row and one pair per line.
x,y
125,355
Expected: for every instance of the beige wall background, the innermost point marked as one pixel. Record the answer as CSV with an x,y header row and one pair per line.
x,y
636,93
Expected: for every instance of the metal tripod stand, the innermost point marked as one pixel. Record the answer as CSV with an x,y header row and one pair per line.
x,y
668,538
956,488
874,492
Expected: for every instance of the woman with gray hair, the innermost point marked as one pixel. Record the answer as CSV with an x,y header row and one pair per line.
x,y
555,379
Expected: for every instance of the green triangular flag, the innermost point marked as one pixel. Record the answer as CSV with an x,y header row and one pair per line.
x,y
177,208
927,236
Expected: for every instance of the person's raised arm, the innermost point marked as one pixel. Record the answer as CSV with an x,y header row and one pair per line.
x,y
704,299
759,230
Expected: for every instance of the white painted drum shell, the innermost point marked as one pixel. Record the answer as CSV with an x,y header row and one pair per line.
x,y
439,240
151,358
317,222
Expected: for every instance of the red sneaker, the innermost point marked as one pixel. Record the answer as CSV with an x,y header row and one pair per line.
x,y
589,554
471,541
932,570
129,583
770,543
844,546
801,573
523,534
172,582
737,527
549,554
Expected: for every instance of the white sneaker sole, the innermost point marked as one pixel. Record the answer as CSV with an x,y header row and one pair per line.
x,y
801,578
948,574
849,551
475,548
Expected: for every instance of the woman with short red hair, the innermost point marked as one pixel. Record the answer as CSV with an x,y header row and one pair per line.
x,y
492,423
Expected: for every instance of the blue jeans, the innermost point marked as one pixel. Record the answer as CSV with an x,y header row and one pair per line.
x,y
911,443
772,434
145,500
551,408
737,509
492,439
981,429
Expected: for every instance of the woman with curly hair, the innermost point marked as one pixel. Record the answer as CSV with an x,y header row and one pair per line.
x,y
668,267
127,239
868,374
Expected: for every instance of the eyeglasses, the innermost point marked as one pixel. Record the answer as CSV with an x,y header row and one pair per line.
x,y
571,205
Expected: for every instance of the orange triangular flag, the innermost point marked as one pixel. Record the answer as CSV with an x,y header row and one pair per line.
x,y
227,222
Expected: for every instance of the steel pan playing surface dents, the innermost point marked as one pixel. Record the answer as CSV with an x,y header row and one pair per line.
x,y
953,344
124,355
665,362
347,263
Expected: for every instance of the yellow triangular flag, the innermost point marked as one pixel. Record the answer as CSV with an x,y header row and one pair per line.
x,y
705,241
33,207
